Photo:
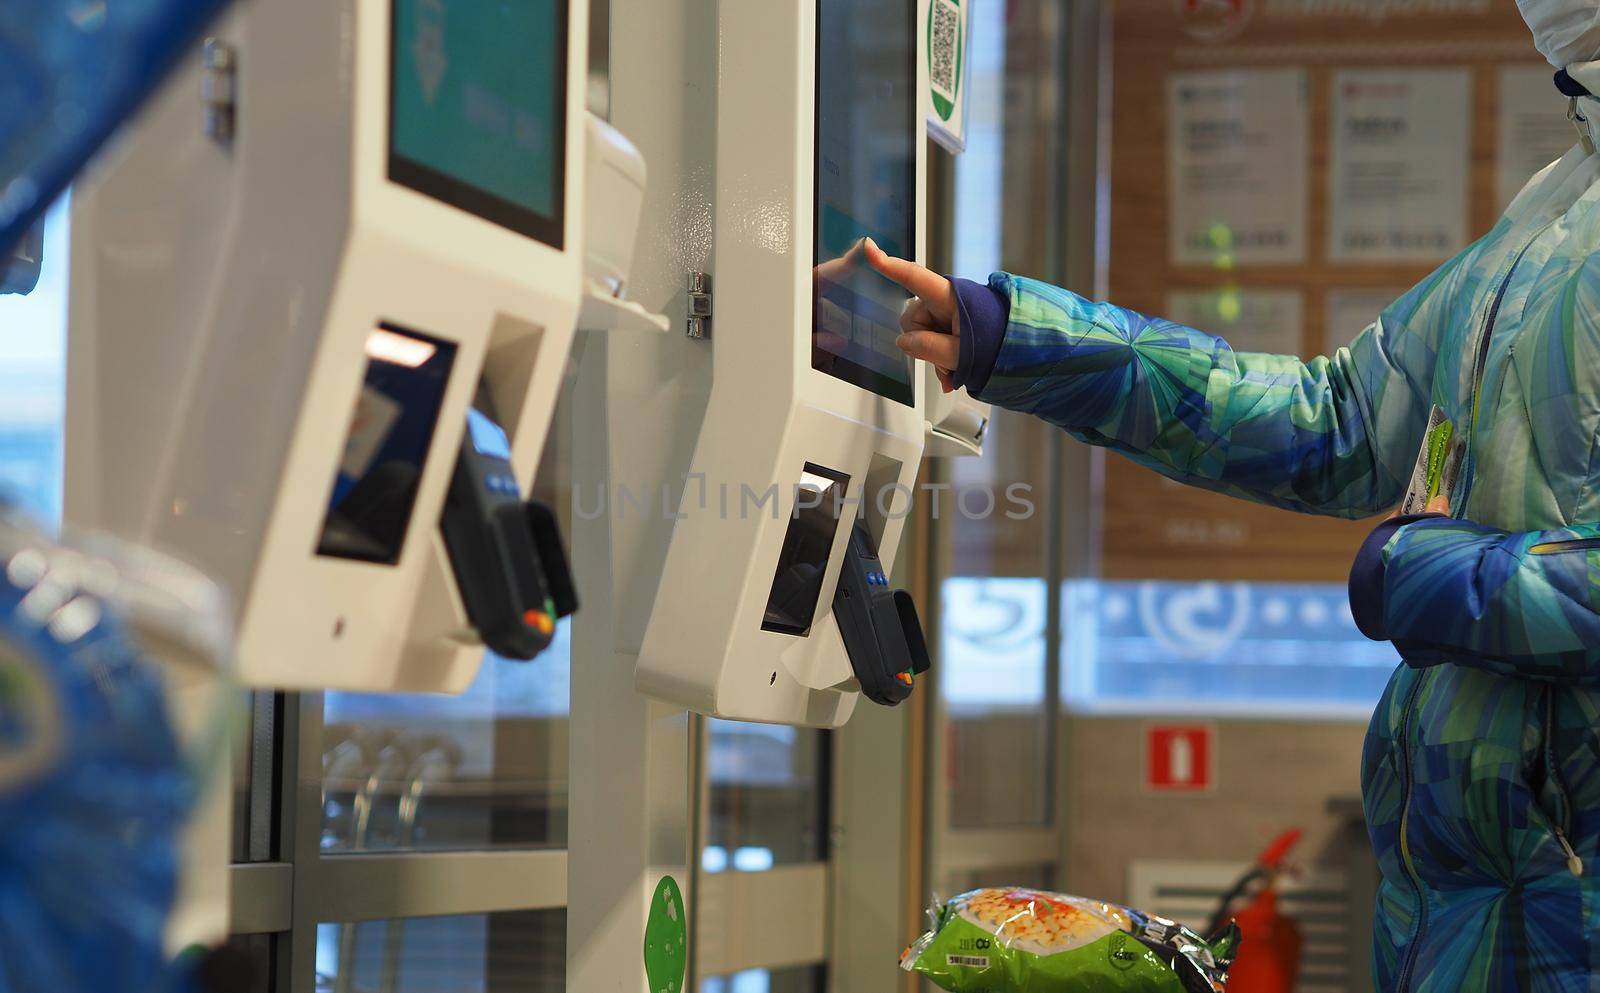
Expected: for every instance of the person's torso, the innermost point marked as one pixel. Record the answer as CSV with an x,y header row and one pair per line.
x,y
1518,365
1476,785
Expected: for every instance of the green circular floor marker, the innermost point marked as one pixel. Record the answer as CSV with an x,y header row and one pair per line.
x,y
666,938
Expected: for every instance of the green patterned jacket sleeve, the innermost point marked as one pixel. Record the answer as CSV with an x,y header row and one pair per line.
x,y
1336,435
1522,604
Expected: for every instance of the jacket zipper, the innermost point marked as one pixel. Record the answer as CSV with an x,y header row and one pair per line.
x,y
1574,864
1571,545
1481,361
1412,875
1553,772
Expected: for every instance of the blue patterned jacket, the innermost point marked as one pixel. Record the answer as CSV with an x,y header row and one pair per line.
x,y
1481,772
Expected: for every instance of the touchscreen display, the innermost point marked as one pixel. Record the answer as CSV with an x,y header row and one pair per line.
x,y
867,129
819,502
386,446
477,108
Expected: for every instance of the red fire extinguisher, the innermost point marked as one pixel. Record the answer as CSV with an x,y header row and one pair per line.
x,y
1269,955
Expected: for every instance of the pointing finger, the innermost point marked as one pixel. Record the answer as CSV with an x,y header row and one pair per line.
x,y
919,280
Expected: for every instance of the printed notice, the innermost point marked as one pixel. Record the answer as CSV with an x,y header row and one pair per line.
x,y
1398,180
1237,170
1350,312
1248,320
1533,128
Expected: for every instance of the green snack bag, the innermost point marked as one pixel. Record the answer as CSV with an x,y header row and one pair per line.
x,y
1028,941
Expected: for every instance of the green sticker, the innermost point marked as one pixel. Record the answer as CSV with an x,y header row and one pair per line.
x,y
666,939
1438,448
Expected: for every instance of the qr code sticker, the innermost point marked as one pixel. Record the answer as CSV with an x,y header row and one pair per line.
x,y
946,35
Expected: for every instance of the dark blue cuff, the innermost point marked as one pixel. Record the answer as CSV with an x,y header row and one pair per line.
x,y
1366,576
985,312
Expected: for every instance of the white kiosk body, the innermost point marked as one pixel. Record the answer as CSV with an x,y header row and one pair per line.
x,y
343,231
809,412
343,225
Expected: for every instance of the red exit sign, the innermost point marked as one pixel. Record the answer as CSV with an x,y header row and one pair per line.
x,y
1180,758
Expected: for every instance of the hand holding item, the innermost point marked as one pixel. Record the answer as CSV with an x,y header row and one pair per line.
x,y
1439,504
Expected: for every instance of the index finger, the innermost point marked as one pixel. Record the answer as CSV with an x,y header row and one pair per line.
x,y
921,281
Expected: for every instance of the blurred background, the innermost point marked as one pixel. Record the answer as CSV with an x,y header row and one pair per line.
x,y
1136,685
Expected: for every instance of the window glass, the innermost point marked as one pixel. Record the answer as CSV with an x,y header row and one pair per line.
x,y
992,633
487,768
980,170
992,687
991,636
768,797
33,372
1041,876
33,369
800,979
1278,648
516,952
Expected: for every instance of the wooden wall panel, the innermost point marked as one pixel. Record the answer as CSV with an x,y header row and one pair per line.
x,y
1156,529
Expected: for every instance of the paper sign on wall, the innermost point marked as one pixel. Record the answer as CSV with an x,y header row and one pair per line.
x,y
947,72
1248,320
1533,128
1401,150
1349,312
1237,169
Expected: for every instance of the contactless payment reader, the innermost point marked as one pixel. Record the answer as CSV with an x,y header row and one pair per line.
x,y
882,633
812,425
506,553
323,298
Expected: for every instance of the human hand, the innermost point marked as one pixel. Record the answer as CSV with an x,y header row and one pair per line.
x,y
1438,505
931,326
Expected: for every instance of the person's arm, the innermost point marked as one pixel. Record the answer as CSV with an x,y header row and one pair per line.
x,y
1520,604
1335,435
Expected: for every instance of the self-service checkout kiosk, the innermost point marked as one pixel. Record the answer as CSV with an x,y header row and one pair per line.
x,y
322,303
762,592
323,298
721,471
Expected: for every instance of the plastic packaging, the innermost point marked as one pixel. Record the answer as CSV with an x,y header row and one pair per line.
x,y
95,782
1027,941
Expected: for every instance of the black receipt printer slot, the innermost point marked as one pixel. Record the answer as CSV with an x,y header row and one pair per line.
x,y
506,553
881,630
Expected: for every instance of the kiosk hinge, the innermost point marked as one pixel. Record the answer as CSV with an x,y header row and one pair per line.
x,y
217,89
699,323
